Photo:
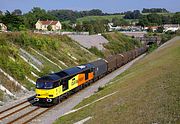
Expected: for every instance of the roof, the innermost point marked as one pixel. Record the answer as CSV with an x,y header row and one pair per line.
x,y
51,77
171,25
77,69
49,22
64,73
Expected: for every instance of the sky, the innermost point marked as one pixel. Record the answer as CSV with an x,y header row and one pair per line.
x,y
109,6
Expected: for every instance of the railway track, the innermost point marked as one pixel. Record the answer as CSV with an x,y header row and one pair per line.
x,y
24,112
21,113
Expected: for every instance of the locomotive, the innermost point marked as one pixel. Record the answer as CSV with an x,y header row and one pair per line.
x,y
54,87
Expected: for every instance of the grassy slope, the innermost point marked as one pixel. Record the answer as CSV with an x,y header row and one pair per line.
x,y
53,47
147,93
119,43
167,14
109,17
89,18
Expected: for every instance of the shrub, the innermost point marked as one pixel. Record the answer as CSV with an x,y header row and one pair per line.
x,y
152,48
96,52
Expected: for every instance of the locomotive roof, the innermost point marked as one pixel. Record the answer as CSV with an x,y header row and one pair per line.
x,y
47,78
77,69
64,73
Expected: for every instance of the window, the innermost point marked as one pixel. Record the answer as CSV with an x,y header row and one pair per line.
x,y
56,84
44,85
86,74
65,84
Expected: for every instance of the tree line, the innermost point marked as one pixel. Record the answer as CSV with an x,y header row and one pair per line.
x,y
155,10
158,19
16,20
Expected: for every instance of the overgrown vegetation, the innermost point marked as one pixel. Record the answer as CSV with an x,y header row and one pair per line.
x,y
119,43
152,48
146,93
96,52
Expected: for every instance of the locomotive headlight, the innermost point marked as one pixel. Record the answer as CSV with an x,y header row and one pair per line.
x,y
36,99
49,100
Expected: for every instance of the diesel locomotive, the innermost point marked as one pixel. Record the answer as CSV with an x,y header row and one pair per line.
x,y
54,87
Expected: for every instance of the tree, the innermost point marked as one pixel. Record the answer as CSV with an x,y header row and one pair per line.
x,y
166,19
17,12
119,22
143,21
34,15
78,28
95,12
132,15
154,10
12,21
49,28
160,29
155,19
176,18
1,12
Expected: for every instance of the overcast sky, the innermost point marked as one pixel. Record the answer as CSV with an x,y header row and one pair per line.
x,y
110,6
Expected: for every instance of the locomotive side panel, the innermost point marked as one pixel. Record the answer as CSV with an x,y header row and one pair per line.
x,y
100,67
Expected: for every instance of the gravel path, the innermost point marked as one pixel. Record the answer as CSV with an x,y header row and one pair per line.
x,y
89,41
71,102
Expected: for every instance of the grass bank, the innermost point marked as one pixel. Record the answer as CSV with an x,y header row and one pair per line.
x,y
146,93
119,43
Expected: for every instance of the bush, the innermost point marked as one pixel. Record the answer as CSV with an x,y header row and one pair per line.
x,y
152,48
96,52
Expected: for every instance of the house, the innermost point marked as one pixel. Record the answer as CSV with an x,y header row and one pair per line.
x,y
153,28
124,28
171,27
3,27
43,25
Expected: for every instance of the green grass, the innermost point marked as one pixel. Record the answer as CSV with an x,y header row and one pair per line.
x,y
119,43
1,95
167,14
109,17
148,93
92,18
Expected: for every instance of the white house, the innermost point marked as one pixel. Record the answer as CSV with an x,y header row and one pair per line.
x,y
3,27
43,25
171,27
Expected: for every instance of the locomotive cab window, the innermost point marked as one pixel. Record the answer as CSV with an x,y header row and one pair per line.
x,y
56,84
44,85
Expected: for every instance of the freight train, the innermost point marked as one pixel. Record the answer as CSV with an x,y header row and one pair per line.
x,y
54,87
